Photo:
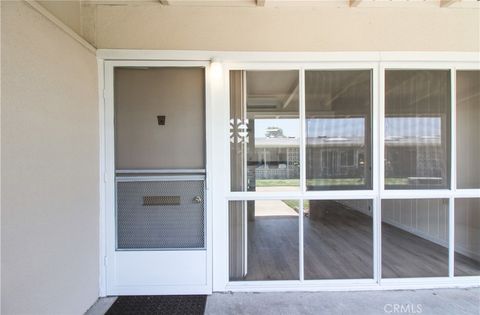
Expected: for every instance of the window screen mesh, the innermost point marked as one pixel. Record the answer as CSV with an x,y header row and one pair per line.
x,y
417,129
160,214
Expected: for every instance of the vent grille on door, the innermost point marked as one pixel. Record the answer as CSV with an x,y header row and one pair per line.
x,y
160,214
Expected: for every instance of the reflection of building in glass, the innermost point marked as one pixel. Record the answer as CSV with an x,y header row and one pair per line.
x,y
412,159
336,157
279,158
337,151
415,160
414,151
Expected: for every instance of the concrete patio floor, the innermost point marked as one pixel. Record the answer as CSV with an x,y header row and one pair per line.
x,y
434,302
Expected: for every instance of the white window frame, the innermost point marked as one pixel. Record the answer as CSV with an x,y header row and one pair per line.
x,y
217,125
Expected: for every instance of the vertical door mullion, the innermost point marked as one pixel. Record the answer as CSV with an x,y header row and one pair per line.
x,y
300,243
451,237
381,132
377,239
375,155
377,163
244,120
453,131
303,166
303,185
453,172
380,164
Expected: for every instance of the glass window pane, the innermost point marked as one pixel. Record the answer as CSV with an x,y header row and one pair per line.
x,y
264,131
263,240
468,129
414,238
338,239
417,129
338,108
467,237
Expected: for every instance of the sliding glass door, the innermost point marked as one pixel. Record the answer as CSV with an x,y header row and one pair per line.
x,y
338,116
364,173
283,144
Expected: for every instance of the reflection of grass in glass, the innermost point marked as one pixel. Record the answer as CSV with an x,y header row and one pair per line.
x,y
295,204
277,182
310,182
335,181
396,181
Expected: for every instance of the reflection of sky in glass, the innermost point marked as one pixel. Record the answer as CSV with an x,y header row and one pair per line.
x,y
290,126
352,127
413,126
336,127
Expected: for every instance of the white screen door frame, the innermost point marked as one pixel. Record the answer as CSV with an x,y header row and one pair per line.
x,y
153,272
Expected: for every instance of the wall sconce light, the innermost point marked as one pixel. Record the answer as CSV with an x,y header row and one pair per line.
x,y
215,69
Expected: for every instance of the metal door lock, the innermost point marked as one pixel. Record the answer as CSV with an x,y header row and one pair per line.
x,y
197,199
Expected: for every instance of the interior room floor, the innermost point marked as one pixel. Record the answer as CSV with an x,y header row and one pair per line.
x,y
340,246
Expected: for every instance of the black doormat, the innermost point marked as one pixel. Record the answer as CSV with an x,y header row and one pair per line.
x,y
159,304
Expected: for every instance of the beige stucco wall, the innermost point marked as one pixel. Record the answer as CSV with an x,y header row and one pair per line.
x,y
49,171
288,28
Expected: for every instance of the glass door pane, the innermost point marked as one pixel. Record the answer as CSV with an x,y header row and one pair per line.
x,y
264,131
467,237
264,240
414,238
417,129
338,239
338,107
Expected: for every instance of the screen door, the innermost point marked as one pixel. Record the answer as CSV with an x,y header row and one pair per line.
x,y
158,244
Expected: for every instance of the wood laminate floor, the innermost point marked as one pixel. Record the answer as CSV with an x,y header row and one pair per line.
x,y
340,246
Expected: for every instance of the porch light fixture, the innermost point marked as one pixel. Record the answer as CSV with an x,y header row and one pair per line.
x,y
215,69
